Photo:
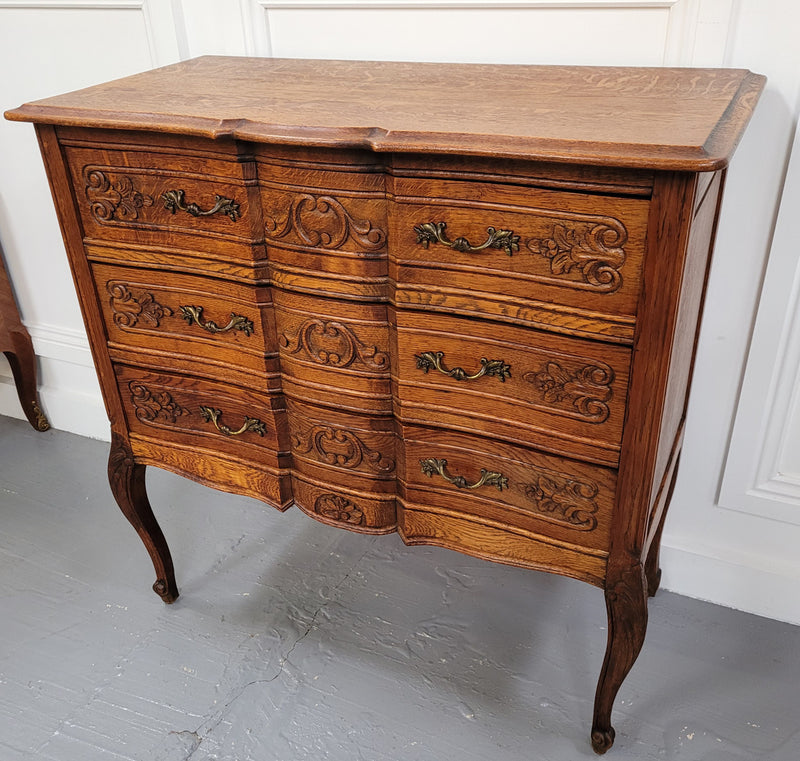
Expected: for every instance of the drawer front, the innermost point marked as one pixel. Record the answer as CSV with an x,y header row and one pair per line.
x,y
524,248
185,319
347,465
508,487
565,395
149,197
334,352
325,221
203,414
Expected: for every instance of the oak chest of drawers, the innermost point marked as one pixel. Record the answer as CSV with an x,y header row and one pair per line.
x,y
456,302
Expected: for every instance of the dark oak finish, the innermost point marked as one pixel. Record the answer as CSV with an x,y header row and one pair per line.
x,y
15,343
456,302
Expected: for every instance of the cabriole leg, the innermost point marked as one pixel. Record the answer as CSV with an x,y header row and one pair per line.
x,y
23,367
626,603
127,484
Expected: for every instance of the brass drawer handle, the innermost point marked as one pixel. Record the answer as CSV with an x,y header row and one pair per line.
x,y
433,232
433,359
195,315
174,201
211,415
431,466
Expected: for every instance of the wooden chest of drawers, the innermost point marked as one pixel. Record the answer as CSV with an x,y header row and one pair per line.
x,y
456,302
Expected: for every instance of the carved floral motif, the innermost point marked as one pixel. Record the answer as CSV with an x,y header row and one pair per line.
x,y
324,221
328,342
129,307
338,508
336,446
592,249
584,391
151,406
111,200
564,499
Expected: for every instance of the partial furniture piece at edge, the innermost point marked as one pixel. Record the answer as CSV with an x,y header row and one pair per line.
x,y
458,302
16,344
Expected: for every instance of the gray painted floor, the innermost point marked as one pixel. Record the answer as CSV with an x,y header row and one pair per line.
x,y
292,640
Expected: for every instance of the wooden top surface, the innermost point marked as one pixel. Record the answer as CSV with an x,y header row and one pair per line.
x,y
660,118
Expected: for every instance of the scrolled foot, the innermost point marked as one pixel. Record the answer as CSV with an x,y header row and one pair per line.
x,y
166,591
602,740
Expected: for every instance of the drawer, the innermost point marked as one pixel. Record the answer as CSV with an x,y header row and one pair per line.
x,y
344,466
181,320
571,260
334,352
150,196
509,488
205,415
565,395
325,220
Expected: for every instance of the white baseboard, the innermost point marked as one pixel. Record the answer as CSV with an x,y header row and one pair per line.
x,y
732,583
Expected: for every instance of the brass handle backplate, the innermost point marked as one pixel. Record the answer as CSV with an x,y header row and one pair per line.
x,y
237,322
433,359
434,232
174,201
211,415
432,466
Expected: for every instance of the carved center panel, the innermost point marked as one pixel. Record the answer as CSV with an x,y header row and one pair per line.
x,y
332,343
322,220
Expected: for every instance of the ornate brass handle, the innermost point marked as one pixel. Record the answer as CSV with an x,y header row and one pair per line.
x,y
433,232
174,201
237,322
433,359
211,415
432,466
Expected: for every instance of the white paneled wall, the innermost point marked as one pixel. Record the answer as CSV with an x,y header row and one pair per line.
x,y
744,556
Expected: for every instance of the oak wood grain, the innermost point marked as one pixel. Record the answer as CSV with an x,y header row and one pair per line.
x,y
678,119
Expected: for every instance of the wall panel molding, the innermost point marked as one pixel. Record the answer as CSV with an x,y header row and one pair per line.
x,y
657,31
762,472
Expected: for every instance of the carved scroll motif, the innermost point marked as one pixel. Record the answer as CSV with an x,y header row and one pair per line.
x,y
151,406
324,221
583,392
111,200
338,508
564,499
328,342
594,250
336,446
129,307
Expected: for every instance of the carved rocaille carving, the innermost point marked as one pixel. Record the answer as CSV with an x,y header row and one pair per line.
x,y
593,249
151,406
584,391
338,508
564,499
336,446
113,199
329,342
323,221
129,307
